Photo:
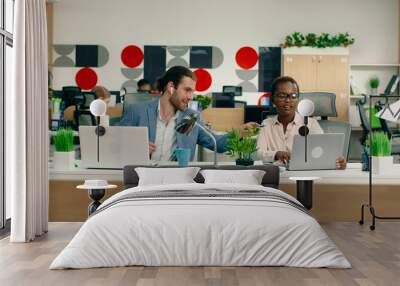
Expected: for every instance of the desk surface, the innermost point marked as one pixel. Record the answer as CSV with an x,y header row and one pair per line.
x,y
351,176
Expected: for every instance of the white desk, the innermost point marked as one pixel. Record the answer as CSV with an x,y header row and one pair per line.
x,y
352,175
338,194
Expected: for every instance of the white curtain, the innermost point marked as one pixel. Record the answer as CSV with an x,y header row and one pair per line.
x,y
27,124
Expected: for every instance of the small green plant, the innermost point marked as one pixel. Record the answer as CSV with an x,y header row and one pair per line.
x,y
203,100
298,39
242,147
374,82
64,140
381,145
311,40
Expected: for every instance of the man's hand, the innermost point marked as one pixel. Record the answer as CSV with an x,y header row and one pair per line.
x,y
340,163
248,126
152,147
282,156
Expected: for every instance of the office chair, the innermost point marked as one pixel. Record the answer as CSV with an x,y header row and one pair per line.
x,y
84,118
88,97
330,126
71,95
324,102
117,95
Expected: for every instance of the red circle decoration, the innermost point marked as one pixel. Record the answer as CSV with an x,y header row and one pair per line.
x,y
246,57
86,78
203,80
132,56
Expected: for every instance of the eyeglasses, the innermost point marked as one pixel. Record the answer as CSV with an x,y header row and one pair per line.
x,y
289,96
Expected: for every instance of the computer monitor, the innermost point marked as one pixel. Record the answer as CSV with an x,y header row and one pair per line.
x,y
257,113
223,99
118,147
237,90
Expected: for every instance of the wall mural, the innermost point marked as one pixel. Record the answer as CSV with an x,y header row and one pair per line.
x,y
151,62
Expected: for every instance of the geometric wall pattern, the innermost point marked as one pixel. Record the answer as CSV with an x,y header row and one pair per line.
x,y
80,56
253,78
269,67
247,58
151,61
132,58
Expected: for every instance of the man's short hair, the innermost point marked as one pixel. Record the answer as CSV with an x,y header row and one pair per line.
x,y
174,74
142,82
282,80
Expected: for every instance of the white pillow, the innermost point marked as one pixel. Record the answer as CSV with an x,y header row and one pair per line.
x,y
166,176
248,177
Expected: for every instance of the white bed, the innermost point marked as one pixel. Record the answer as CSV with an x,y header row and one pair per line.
x,y
185,230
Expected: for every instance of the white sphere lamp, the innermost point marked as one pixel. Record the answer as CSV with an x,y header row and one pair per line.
x,y
98,107
305,107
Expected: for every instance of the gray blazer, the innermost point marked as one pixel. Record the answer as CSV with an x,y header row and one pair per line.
x,y
145,114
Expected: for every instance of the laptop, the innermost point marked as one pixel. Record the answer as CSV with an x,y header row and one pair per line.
x,y
118,147
322,152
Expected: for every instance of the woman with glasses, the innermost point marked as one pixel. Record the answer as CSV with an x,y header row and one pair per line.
x,y
276,137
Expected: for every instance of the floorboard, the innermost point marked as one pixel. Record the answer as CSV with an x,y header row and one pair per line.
x,y
375,257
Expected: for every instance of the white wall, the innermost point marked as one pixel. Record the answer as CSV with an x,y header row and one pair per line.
x,y
227,24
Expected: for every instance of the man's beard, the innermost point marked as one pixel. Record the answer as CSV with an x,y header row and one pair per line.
x,y
177,105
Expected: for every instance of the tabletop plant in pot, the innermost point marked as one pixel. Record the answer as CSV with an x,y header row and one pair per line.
x,y
203,100
381,152
64,154
373,84
242,147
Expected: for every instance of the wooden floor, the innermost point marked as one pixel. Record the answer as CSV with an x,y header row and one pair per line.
x,y
375,257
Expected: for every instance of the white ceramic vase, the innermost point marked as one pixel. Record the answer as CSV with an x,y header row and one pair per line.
x,y
382,165
64,160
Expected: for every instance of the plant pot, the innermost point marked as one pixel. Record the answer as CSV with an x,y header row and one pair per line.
x,y
64,160
244,162
374,91
382,165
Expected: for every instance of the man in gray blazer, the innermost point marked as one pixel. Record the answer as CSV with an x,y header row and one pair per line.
x,y
161,116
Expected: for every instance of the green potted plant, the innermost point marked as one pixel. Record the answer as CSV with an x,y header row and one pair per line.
x,y
203,100
373,84
64,154
243,147
298,39
311,40
381,152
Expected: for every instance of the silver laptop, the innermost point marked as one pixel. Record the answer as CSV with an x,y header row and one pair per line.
x,y
118,147
322,152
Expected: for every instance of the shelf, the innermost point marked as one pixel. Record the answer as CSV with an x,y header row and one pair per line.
x,y
374,65
356,96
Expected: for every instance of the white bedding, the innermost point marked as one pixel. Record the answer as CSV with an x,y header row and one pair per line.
x,y
200,231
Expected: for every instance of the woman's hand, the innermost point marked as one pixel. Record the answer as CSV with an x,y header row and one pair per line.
x,y
248,126
340,163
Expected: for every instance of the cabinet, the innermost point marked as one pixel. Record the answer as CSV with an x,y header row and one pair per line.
x,y
317,71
